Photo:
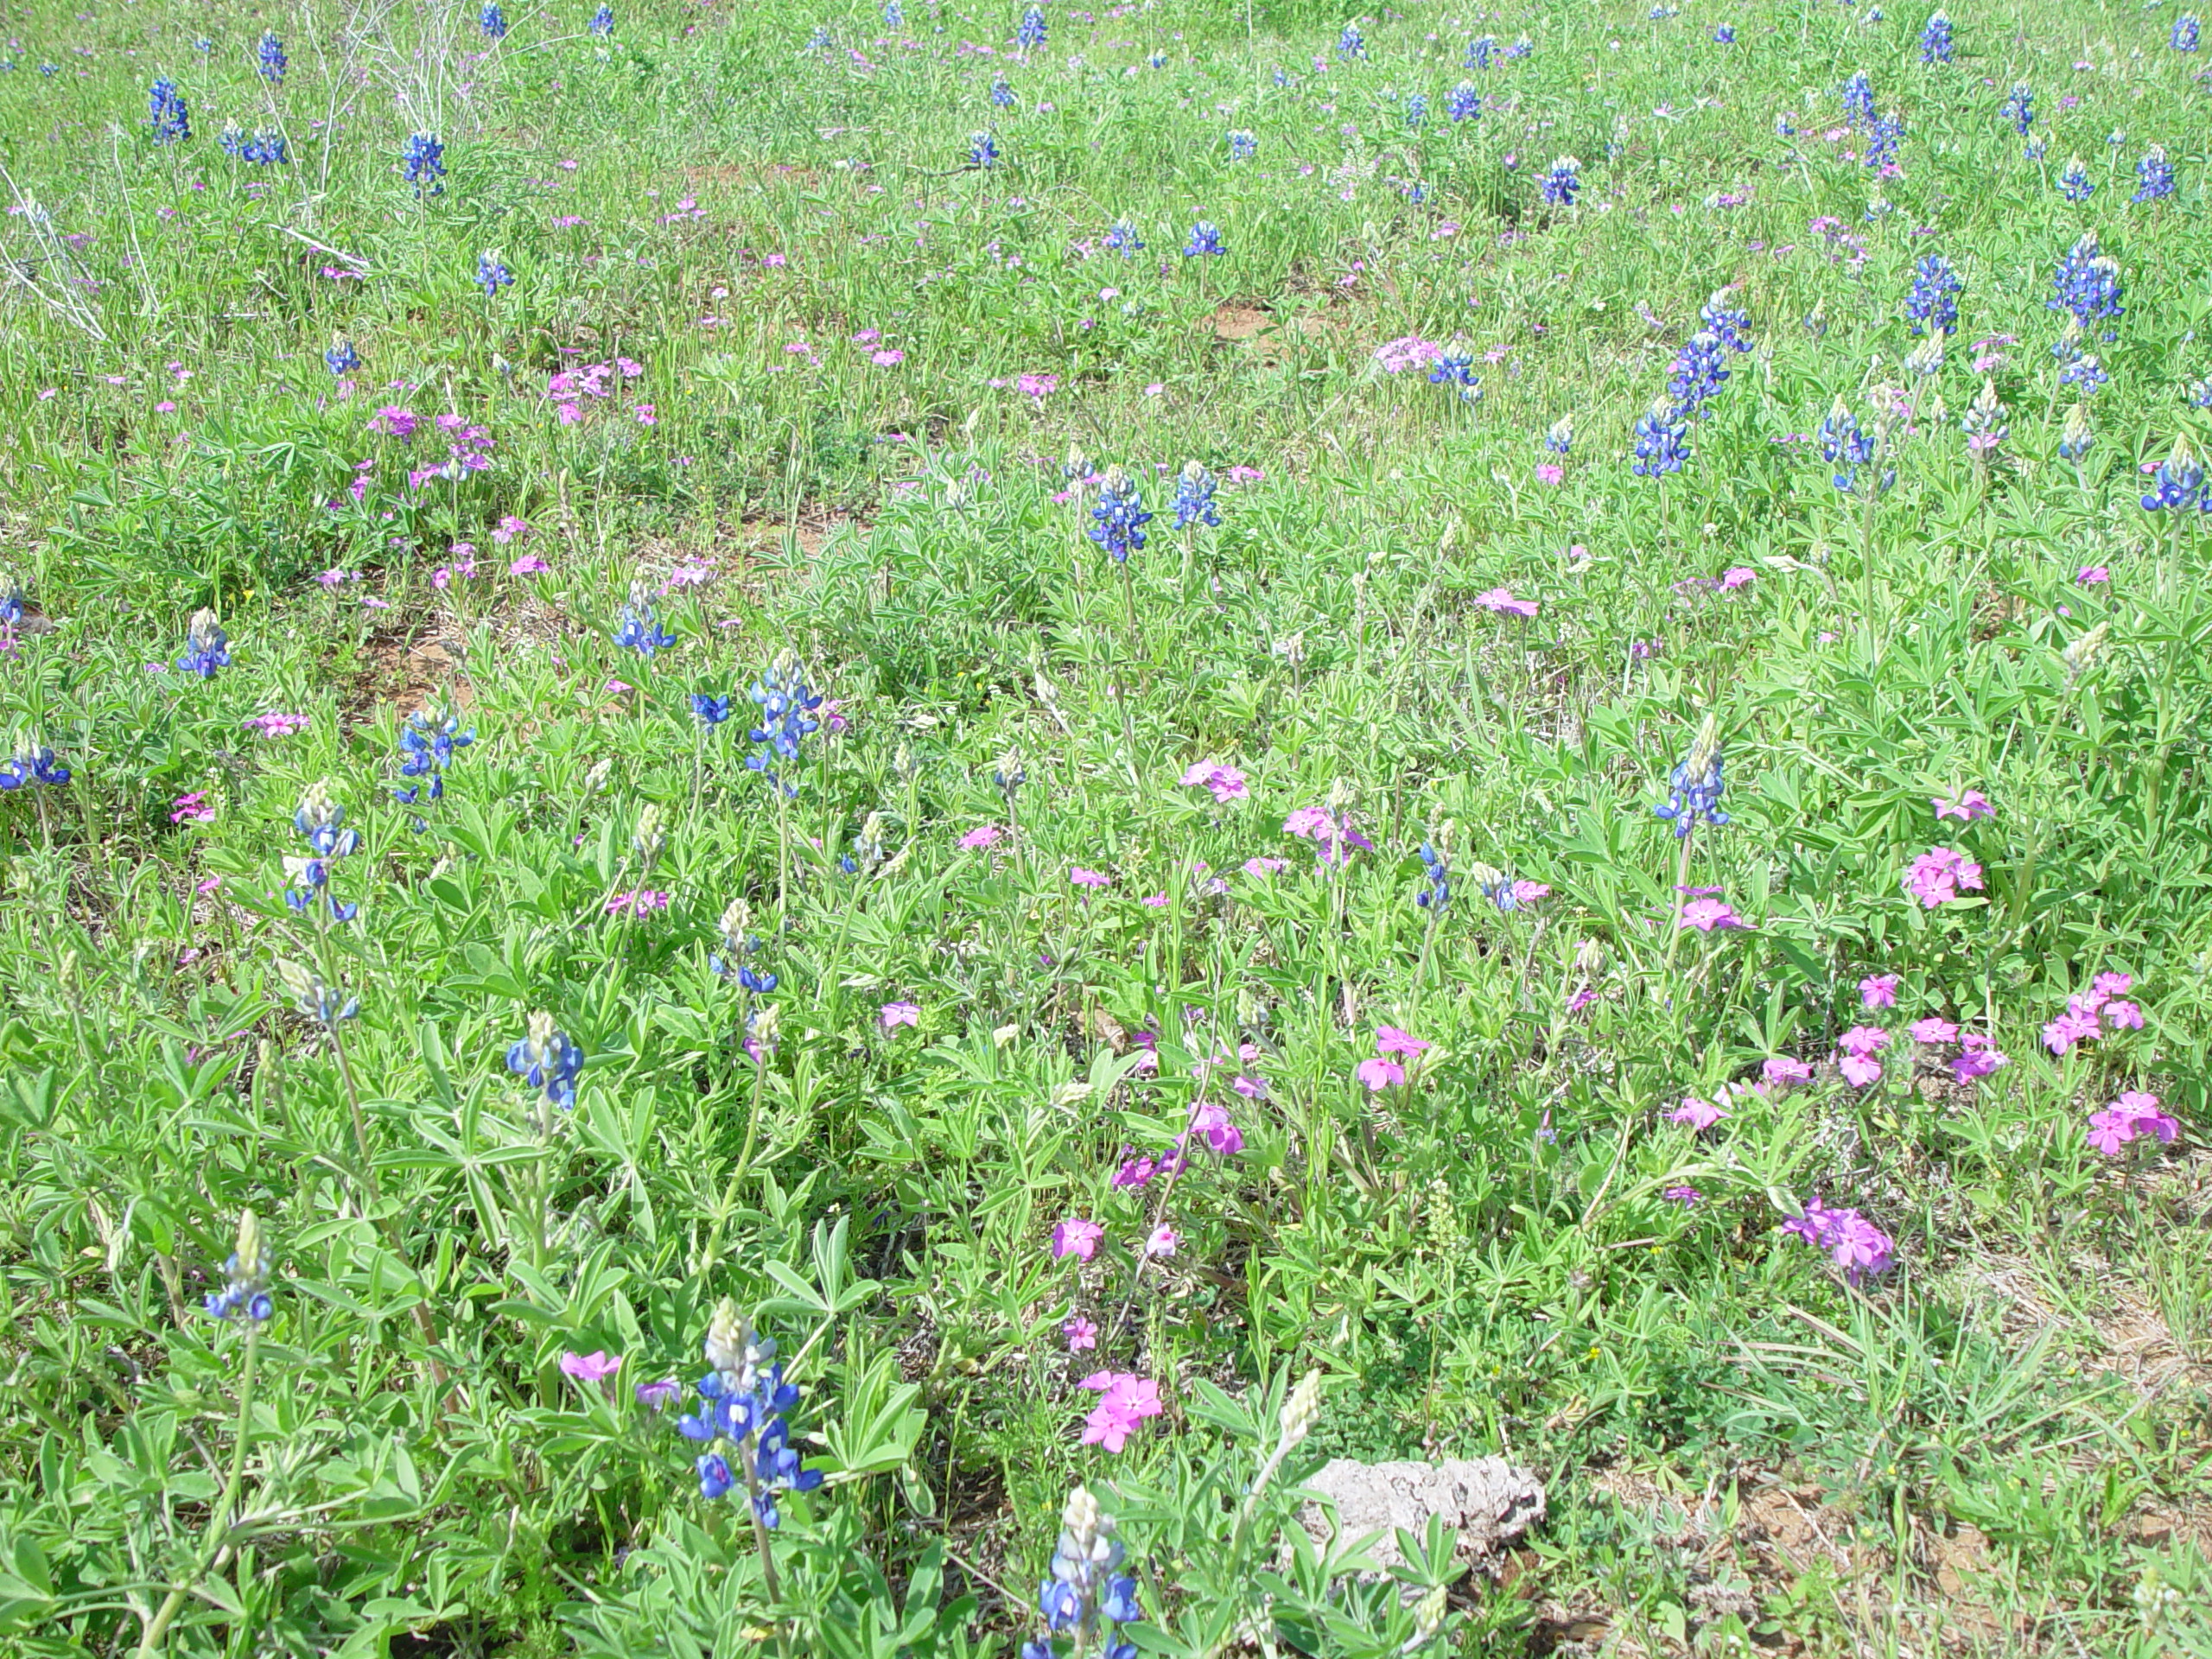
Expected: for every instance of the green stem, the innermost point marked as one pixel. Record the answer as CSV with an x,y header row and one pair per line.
x,y
217,1538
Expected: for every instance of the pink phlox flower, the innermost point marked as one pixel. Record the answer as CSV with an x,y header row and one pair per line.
x,y
1969,806
1407,352
2112,984
2076,1025
989,836
1864,1040
896,1015
1708,914
1136,1170
1078,1238
334,576
1250,1087
1550,472
1155,901
1379,1074
1859,1070
1851,1242
1529,892
1262,866
1388,1040
1981,1057
1211,1122
1225,784
1125,1401
1081,1333
1163,1241
1932,1030
1785,1069
192,808
1037,386
1083,878
528,565
887,360
1502,601
1696,1114
2123,1015
642,902
594,1367
1337,839
1740,576
2133,1113
509,529
1938,875
276,725
2091,575
1878,991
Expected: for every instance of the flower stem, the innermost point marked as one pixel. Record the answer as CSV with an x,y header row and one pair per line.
x,y
216,1539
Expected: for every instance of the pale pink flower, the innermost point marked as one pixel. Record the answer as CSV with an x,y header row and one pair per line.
x,y
1859,1070
1864,1039
1379,1074
643,413
594,1367
1264,867
1388,1040
1932,1031
989,836
1126,1401
528,565
1740,575
1696,1114
1878,991
1707,914
1081,1334
1938,875
1076,1237
1549,472
1969,806
887,360
1502,601
1784,1069
1163,1241
1225,783
1083,878
901,1013
2091,575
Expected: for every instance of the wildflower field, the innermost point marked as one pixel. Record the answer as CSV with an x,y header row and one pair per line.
x,y
823,821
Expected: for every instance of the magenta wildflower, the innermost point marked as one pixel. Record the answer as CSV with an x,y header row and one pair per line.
x,y
1379,1074
1878,991
1696,1115
276,725
896,1015
1938,875
643,902
989,836
1211,1122
1083,878
1740,576
1336,838
1388,1040
192,808
1264,867
1685,1196
2077,1024
595,1367
1081,1334
1707,914
1969,806
1784,1069
1125,1401
1163,1241
2091,576
1225,783
1932,1030
1852,1243
1076,1237
1502,602
1980,1058
1858,1069
1864,1040
2132,1114
529,565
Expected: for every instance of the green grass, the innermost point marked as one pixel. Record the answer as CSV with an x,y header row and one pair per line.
x,y
1996,1445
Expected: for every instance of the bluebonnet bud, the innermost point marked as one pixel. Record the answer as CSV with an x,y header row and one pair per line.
x,y
2020,108
1009,775
1845,444
1001,94
1984,422
266,147
2086,283
1932,303
493,20
1281,78
1243,146
1416,109
1085,1597
207,648
49,70
1695,786
1457,369
1697,370
1436,880
2075,182
1728,321
1935,40
1723,34
271,58
2154,176
1660,446
638,628
602,22
422,164
2200,394
1883,133
894,14
1559,185
787,703
744,1406
1480,51
1194,488
2034,149
491,273
1464,102
1349,44
1205,237
1031,35
166,113
322,823
1520,48
821,40
1925,358
11,599
711,710
32,763
547,1061
312,998
245,1295
341,358
2183,38
1119,517
2075,438
428,743
1157,60
983,151
1122,238
2179,481
738,942
1561,438
1858,100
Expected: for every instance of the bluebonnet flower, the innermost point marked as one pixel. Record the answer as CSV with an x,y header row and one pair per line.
x,y
2085,373
2075,182
1520,48
744,1405
491,273
1785,125
33,763
547,1061
245,1295
2179,482
1001,94
1695,786
322,823
272,61
1436,880
1085,1598
1925,358
1884,134
1194,488
602,22
2200,394
711,710
49,70
341,358
2183,38
11,599
313,1000
2086,281
2154,176
2075,437
1349,44
1727,320
1859,100
1984,422
1724,35
1660,449
1416,109
2034,149
1480,51
1243,146
739,943
428,743
266,147
1561,438
1932,303
1157,60
1457,369
1559,185
2020,108
787,703
203,45
821,40
1031,35
1205,239
1699,369
638,628
207,648
1122,237
894,14
166,113
1464,102
1935,40
1120,516
493,20
1281,78
422,164
983,151
1845,444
